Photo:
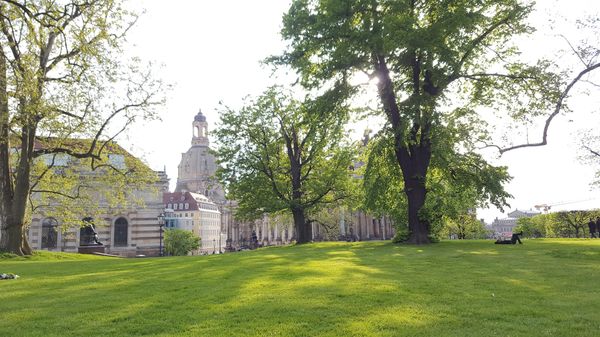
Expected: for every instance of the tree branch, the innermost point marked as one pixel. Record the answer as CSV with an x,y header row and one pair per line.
x,y
556,111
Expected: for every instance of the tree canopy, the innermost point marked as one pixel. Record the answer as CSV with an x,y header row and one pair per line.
x,y
558,224
433,63
279,154
66,93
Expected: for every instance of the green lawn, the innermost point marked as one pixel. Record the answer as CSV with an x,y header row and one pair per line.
x,y
472,288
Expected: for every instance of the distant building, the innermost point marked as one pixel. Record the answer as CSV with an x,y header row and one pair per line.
x,y
505,226
198,166
196,213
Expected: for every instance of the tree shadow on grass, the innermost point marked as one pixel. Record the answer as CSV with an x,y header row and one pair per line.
x,y
339,289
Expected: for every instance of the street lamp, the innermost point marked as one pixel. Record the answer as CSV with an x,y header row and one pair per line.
x,y
161,223
214,246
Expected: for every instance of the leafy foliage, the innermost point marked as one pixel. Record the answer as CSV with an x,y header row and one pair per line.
x,y
279,154
456,184
65,94
434,63
179,242
565,224
465,226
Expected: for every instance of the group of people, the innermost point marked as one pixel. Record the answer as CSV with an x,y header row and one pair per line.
x,y
594,228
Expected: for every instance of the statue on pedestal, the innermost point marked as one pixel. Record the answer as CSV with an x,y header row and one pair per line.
x,y
87,234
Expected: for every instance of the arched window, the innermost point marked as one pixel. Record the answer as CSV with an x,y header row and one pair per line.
x,y
121,232
49,233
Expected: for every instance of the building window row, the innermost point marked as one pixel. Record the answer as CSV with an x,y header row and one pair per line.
x,y
50,233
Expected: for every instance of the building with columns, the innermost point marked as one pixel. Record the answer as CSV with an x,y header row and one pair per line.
x,y
504,227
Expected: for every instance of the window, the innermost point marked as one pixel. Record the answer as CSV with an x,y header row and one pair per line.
x,y
117,161
187,206
121,232
180,205
57,159
49,233
170,206
175,207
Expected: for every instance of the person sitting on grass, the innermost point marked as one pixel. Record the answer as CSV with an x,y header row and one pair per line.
x,y
513,240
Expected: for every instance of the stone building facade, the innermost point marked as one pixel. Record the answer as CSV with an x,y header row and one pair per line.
x,y
128,232
197,168
196,213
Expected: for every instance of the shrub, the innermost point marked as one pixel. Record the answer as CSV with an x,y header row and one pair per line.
x,y
179,242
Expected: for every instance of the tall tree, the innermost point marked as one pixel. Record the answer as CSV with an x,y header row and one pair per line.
x,y
282,155
420,54
62,78
457,183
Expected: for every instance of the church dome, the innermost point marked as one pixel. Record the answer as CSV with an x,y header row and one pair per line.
x,y
200,117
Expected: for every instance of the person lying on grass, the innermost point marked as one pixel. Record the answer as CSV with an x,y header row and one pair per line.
x,y
513,240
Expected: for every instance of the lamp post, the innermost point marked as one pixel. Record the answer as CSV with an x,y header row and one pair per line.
x,y
161,223
214,246
220,230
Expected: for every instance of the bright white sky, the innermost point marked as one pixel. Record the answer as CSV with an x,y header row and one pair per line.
x,y
211,52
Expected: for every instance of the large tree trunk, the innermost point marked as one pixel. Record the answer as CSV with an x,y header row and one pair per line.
x,y
13,234
413,151
414,170
13,239
13,198
5,179
303,229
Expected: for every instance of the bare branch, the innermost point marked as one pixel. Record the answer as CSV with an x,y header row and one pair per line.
x,y
478,76
585,64
595,153
557,110
62,194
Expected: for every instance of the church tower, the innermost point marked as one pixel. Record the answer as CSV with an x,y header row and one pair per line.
x,y
196,171
200,130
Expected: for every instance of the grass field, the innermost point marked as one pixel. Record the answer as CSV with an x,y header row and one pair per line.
x,y
472,288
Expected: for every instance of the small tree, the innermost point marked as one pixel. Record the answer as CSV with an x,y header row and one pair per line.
x,y
280,154
532,227
179,242
465,226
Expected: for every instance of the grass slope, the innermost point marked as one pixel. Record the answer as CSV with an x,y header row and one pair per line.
x,y
472,288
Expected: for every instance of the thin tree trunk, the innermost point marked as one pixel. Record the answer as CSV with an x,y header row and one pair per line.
x,y
5,178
